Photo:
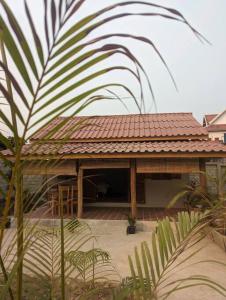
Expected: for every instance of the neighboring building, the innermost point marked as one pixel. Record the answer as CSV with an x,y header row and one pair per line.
x,y
216,125
140,160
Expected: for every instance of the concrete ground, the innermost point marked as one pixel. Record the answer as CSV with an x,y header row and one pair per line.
x,y
111,236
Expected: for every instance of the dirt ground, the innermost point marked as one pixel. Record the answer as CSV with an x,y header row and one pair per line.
x,y
112,237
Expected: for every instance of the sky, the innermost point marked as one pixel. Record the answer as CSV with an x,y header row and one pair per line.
x,y
199,69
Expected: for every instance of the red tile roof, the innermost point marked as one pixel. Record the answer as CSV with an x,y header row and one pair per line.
x,y
209,118
216,128
200,146
126,127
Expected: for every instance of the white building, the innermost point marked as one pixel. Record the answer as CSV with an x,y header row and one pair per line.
x,y
216,125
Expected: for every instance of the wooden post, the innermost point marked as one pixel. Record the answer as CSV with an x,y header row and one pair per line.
x,y
133,192
202,168
80,193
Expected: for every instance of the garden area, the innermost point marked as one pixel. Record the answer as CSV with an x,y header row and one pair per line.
x,y
169,242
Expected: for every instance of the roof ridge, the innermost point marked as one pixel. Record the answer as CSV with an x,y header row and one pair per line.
x,y
128,115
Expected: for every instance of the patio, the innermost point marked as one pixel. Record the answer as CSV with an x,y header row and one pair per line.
x,y
111,213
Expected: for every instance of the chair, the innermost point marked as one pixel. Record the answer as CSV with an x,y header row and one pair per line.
x,y
66,194
53,200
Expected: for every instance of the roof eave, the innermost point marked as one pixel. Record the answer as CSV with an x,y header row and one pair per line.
x,y
197,154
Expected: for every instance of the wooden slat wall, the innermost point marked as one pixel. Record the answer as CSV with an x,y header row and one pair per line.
x,y
167,165
67,167
105,164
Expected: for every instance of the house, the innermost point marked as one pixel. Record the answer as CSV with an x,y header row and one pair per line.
x,y
122,160
216,125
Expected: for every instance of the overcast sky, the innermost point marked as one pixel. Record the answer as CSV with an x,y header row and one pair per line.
x,y
199,69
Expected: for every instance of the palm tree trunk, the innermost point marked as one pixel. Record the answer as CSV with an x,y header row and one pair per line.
x,y
62,248
20,235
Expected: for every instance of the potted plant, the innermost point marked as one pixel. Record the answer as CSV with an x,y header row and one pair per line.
x,y
131,228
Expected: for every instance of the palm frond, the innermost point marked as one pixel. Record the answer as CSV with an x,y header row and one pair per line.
x,y
153,267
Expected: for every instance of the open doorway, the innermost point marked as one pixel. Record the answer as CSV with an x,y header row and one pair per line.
x,y
106,185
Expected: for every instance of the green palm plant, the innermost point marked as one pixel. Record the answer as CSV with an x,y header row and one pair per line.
x,y
86,261
95,271
194,195
42,84
42,259
153,267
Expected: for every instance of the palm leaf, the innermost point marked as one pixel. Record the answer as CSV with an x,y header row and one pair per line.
x,y
20,38
38,44
42,82
159,262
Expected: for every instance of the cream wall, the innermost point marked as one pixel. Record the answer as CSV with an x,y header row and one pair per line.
x,y
158,193
216,135
219,134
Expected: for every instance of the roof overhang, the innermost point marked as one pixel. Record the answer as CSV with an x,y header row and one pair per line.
x,y
125,155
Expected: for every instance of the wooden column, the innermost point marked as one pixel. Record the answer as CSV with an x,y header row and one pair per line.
x,y
133,192
202,168
80,193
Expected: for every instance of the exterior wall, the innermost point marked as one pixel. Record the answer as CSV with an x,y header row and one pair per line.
x,y
158,193
220,134
216,135
32,183
212,174
215,172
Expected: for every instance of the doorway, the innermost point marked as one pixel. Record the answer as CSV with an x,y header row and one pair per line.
x,y
106,186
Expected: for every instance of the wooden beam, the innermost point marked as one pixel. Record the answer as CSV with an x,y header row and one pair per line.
x,y
105,164
80,193
133,192
202,176
50,167
125,155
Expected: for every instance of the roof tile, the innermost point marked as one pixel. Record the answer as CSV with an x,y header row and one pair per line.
x,y
123,127
202,146
209,118
217,127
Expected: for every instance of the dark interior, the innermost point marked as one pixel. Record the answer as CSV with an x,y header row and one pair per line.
x,y
106,185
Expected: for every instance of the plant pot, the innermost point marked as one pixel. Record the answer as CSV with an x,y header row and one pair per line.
x,y
8,223
131,229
